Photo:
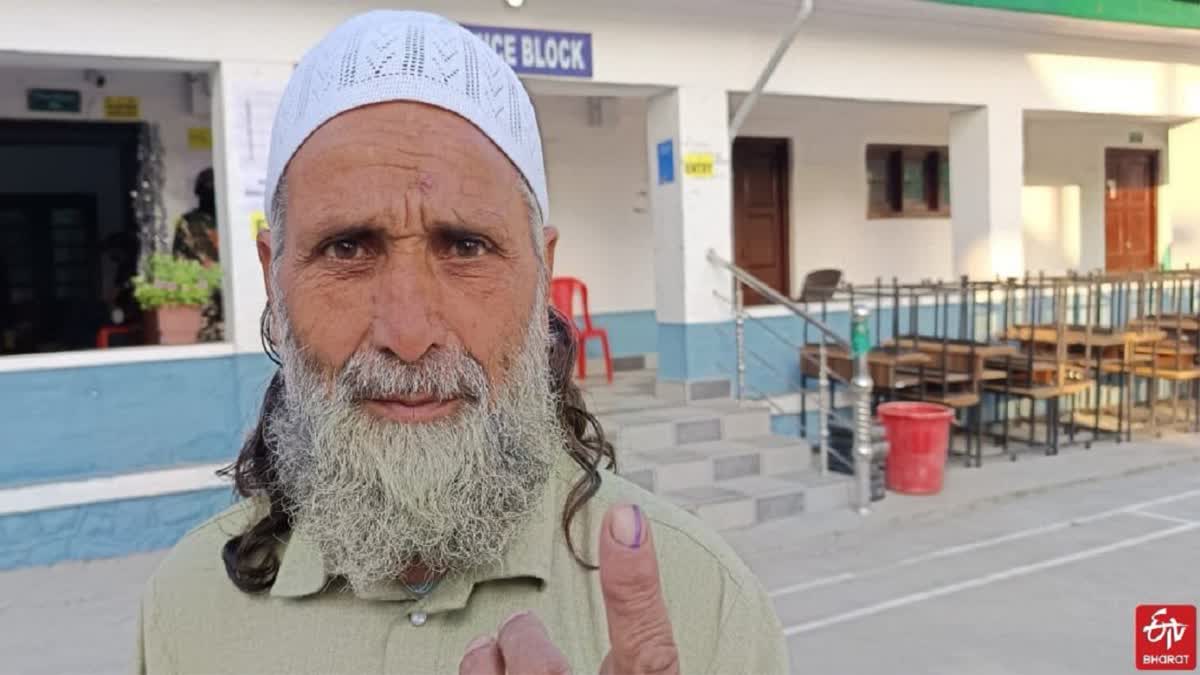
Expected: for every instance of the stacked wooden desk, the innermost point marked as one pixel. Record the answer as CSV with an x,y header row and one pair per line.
x,y
1075,350
1173,360
890,370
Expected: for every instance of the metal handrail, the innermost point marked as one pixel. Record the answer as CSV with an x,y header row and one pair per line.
x,y
762,361
860,385
780,411
776,297
808,358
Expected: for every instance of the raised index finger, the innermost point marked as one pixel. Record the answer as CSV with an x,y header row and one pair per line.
x,y
638,626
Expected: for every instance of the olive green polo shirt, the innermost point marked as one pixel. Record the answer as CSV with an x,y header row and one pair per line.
x,y
193,619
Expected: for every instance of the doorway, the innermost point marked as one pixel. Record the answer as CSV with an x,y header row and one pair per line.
x,y
761,212
68,236
1130,209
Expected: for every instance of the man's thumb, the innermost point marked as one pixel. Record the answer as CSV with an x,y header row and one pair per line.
x,y
638,626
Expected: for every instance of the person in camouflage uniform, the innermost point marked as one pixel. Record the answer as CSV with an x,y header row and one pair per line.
x,y
196,238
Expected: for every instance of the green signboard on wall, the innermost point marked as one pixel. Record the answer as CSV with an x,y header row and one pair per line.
x,y
53,100
1168,13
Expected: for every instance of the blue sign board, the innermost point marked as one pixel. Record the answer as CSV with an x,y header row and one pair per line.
x,y
666,162
540,52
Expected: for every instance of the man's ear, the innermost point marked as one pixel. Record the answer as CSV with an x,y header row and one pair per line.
x,y
550,234
264,259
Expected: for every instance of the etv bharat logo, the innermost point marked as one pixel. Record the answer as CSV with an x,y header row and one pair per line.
x,y
1166,637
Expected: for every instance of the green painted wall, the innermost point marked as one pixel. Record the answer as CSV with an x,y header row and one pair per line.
x,y
1170,13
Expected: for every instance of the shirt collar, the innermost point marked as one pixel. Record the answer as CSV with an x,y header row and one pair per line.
x,y
302,570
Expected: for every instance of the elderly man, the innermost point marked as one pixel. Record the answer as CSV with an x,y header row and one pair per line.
x,y
424,490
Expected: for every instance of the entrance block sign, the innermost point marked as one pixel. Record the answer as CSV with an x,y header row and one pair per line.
x,y
540,52
699,164
122,107
666,162
53,100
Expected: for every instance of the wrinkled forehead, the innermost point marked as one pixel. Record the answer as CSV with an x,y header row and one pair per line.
x,y
408,136
374,155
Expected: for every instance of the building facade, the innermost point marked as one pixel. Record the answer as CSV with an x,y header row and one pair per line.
x,y
901,139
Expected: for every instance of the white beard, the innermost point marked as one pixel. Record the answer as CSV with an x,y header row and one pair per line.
x,y
379,496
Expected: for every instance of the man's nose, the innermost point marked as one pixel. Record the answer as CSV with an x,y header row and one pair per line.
x,y
407,319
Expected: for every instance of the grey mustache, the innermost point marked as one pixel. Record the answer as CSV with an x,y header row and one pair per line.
x,y
442,374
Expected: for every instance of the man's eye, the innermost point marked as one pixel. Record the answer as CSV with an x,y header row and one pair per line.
x,y
344,249
468,248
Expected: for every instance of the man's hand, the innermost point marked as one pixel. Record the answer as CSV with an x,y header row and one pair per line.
x,y
639,630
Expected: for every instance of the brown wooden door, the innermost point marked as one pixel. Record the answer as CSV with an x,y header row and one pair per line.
x,y
760,212
1131,209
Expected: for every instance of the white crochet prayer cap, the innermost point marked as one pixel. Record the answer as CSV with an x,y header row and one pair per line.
x,y
389,55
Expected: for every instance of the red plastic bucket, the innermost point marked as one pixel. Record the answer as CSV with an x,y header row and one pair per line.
x,y
918,441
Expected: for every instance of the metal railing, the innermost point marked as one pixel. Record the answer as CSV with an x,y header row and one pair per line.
x,y
859,386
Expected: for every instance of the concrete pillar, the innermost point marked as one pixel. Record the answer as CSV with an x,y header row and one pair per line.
x,y
1183,175
690,196
986,179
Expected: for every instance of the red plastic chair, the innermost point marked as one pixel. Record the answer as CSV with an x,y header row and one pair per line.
x,y
562,296
107,331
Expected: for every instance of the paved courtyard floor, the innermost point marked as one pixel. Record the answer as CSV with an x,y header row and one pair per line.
x,y
1028,567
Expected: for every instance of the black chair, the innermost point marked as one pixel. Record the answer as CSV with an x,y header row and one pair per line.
x,y
819,285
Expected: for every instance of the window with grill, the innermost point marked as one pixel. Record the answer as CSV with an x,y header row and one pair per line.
x,y
908,181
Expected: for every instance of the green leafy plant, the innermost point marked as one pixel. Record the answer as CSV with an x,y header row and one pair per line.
x,y
170,281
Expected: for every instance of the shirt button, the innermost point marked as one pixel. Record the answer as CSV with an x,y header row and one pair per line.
x,y
418,618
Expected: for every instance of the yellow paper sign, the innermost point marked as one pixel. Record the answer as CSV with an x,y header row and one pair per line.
x,y
258,223
199,138
698,164
122,107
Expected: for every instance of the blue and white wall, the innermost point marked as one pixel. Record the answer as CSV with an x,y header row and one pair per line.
x,y
108,459
84,438
78,430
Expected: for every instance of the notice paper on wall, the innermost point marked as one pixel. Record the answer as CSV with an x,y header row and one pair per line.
x,y
258,223
199,138
122,107
251,115
699,164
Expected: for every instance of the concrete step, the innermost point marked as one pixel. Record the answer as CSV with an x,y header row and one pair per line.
x,y
697,464
629,391
716,458
747,501
674,426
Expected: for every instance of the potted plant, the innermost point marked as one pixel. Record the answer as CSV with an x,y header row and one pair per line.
x,y
172,294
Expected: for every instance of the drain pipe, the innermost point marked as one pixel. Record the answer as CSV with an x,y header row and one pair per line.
x,y
739,117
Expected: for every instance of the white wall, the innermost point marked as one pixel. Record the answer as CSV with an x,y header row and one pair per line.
x,y
1185,197
898,51
985,191
829,220
598,199
164,100
1064,194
